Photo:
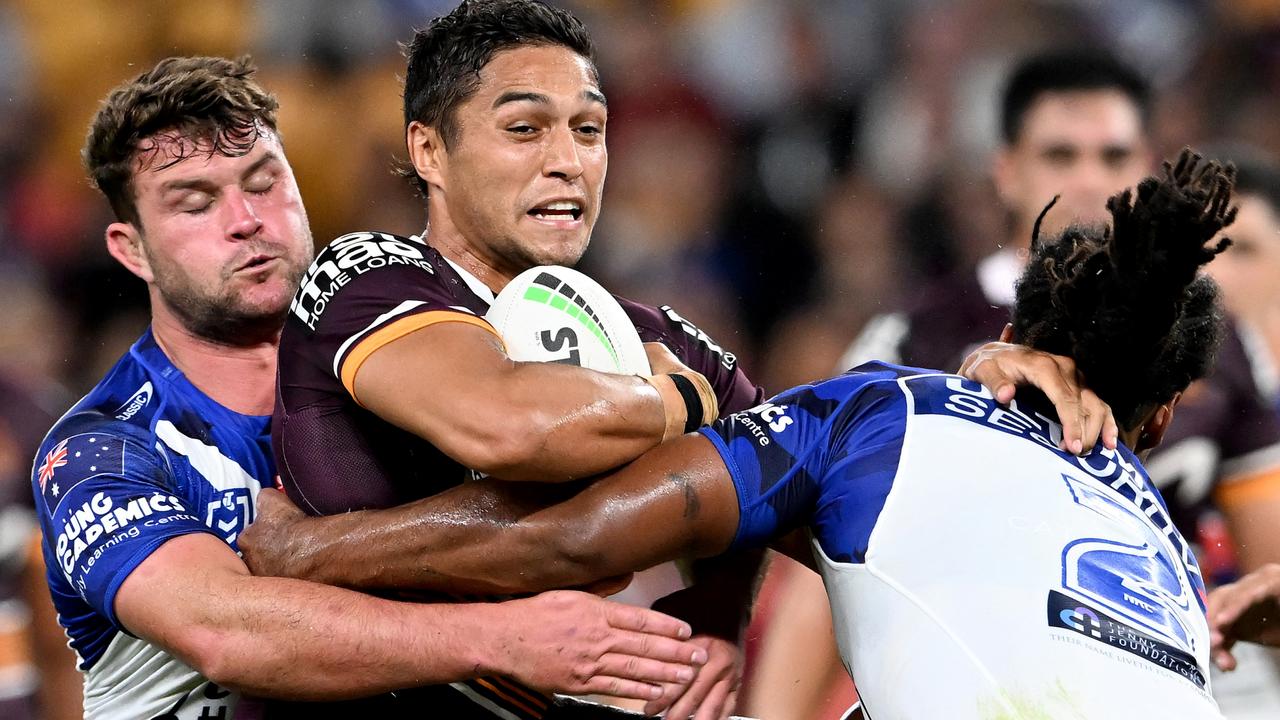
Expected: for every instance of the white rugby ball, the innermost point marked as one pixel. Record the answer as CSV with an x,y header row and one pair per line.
x,y
555,314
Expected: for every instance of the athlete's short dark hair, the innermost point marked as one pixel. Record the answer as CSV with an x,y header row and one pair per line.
x,y
1127,302
445,58
1260,179
1067,71
212,100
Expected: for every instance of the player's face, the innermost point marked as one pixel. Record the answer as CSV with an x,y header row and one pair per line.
x,y
522,181
225,239
1084,146
1247,271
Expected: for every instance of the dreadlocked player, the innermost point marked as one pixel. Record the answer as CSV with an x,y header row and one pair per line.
x,y
962,550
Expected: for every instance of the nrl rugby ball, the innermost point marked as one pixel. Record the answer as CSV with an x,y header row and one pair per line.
x,y
556,314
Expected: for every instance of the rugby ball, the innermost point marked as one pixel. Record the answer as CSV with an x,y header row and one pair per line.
x,y
555,314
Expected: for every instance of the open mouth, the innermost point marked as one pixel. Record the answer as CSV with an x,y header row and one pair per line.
x,y
256,262
558,211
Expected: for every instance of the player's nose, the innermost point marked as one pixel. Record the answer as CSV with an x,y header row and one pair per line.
x,y
243,221
561,158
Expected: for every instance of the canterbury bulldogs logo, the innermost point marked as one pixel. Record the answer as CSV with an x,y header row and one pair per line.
x,y
136,402
346,258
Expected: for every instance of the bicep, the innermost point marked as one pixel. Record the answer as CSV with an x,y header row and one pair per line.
x,y
452,384
172,595
439,381
677,500
411,377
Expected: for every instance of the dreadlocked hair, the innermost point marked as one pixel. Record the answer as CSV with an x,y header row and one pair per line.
x,y
1127,302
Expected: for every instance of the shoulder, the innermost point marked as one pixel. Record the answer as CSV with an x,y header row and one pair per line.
x,y
663,324
87,444
127,400
381,264
876,379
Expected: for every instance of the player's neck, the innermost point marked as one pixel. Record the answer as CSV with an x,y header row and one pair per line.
x,y
444,236
240,378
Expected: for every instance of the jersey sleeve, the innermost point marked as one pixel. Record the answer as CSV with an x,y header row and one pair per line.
x,y
734,390
106,504
1224,442
366,290
1251,441
789,458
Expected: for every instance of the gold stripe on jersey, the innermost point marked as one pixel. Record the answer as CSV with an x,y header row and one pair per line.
x,y
504,697
1251,488
529,695
396,330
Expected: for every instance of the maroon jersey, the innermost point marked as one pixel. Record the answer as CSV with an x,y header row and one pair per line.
x,y
366,290
1224,433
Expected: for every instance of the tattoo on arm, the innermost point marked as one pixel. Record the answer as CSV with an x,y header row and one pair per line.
x,y
692,503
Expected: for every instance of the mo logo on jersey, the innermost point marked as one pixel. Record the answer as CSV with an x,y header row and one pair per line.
x,y
1135,572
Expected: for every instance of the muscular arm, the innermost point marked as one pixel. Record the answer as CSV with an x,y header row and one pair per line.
x,y
1251,505
515,420
289,639
494,537
389,548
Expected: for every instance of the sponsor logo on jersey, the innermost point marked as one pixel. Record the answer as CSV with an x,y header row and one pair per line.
x,y
135,403
727,359
774,416
346,258
103,516
1096,625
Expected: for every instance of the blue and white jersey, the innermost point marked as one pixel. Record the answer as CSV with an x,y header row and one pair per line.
x,y
143,458
975,571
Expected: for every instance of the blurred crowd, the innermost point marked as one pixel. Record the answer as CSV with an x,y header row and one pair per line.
x,y
781,172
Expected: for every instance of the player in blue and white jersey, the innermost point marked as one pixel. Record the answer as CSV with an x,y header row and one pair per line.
x,y
975,569
143,488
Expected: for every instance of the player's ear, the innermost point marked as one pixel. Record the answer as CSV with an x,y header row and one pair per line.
x,y
124,242
426,152
1154,429
1004,174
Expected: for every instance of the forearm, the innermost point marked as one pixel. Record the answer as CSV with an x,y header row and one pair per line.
x,y
469,529
574,423
289,639
519,421
296,640
495,537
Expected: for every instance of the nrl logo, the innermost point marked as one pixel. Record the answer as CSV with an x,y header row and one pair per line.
x,y
135,403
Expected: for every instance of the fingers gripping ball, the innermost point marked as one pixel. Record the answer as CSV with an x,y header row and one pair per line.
x,y
555,314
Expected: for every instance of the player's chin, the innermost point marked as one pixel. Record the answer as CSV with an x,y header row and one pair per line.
x,y
265,299
559,247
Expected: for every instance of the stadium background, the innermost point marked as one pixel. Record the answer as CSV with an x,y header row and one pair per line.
x,y
780,171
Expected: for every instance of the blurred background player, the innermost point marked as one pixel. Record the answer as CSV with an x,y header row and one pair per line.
x,y
38,678
1248,275
1078,125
